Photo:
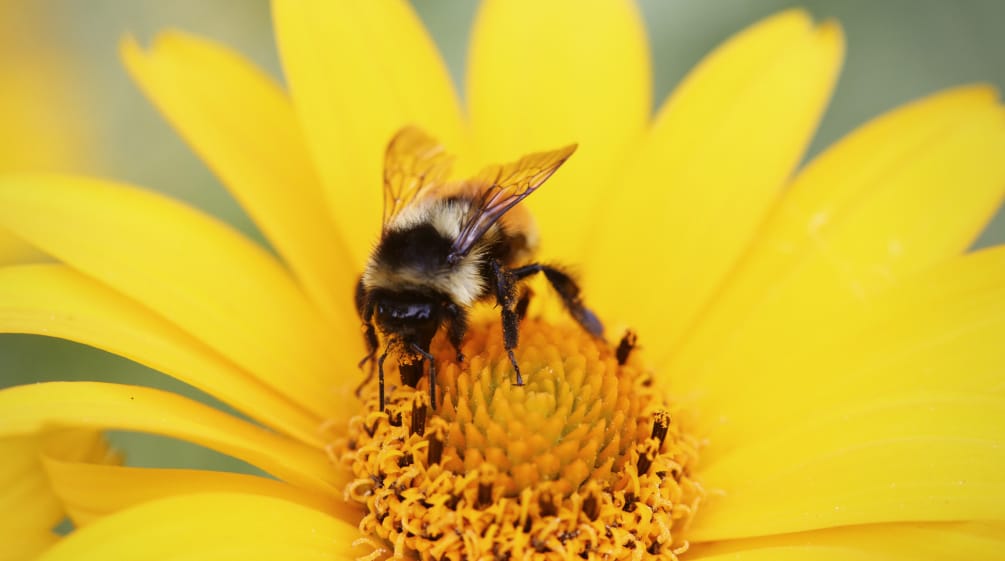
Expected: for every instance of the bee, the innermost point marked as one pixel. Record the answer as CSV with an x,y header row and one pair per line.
x,y
445,246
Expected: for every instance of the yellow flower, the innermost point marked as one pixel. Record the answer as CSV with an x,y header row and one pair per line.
x,y
820,332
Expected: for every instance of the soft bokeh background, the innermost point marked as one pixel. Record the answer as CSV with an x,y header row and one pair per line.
x,y
62,79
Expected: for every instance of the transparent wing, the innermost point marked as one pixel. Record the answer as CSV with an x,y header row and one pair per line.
x,y
502,187
413,164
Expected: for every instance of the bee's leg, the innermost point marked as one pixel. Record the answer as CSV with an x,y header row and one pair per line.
x,y
432,374
506,297
458,319
370,339
365,309
360,296
380,378
523,302
370,336
568,290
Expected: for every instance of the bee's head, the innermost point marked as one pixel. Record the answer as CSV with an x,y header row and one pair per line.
x,y
413,317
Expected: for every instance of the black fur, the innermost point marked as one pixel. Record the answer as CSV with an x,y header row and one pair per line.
x,y
421,247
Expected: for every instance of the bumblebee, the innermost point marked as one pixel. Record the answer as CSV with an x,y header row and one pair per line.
x,y
445,246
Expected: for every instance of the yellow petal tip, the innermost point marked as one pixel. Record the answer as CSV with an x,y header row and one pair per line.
x,y
166,40
171,39
129,47
792,16
831,31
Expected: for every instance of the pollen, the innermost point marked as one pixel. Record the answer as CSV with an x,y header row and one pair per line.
x,y
586,460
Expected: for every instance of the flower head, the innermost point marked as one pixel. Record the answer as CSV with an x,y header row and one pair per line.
x,y
586,459
817,369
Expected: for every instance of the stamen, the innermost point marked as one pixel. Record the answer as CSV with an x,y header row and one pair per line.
x,y
546,502
591,506
435,447
419,410
377,552
394,419
486,478
661,424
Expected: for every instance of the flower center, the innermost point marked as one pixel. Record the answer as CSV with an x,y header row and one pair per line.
x,y
585,459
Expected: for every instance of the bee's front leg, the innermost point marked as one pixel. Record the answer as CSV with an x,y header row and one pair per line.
x,y
365,309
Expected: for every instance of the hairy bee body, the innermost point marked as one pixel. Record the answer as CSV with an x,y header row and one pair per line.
x,y
446,246
413,253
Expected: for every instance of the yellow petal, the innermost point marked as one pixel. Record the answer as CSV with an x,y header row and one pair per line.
x,y
358,71
220,526
56,301
26,546
90,491
545,74
243,126
940,332
14,250
903,193
27,505
193,270
973,541
29,508
920,458
112,406
719,153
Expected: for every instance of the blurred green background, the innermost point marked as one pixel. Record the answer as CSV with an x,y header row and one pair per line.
x,y
898,50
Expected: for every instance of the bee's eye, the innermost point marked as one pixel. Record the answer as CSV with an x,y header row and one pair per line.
x,y
405,310
416,311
